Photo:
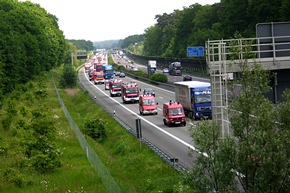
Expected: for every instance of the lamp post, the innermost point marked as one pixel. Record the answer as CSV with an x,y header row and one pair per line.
x,y
135,48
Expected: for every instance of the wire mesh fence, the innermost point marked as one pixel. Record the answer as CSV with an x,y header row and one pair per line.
x,y
93,158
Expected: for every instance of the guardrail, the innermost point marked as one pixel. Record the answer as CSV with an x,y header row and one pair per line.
x,y
197,65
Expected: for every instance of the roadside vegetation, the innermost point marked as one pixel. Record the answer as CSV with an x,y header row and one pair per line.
x,y
40,153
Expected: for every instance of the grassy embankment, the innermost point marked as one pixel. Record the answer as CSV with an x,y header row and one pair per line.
x,y
134,170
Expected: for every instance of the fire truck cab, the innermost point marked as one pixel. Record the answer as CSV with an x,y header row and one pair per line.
x,y
98,78
115,87
130,92
173,114
147,105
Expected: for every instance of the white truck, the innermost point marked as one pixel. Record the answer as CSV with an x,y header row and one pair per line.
x,y
152,65
195,97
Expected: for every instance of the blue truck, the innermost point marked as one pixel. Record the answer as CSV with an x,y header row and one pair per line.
x,y
195,97
108,71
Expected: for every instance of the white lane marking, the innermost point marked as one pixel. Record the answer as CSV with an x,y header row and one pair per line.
x,y
159,128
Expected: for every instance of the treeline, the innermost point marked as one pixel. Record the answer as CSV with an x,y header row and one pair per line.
x,y
31,42
196,24
82,44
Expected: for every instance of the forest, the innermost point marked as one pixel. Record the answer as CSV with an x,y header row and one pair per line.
x,y
31,42
194,25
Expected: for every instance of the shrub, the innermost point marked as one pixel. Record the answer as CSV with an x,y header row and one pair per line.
x,y
68,77
95,128
159,78
120,68
141,74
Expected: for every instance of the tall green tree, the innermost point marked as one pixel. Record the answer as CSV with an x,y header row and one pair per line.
x,y
185,28
150,41
30,42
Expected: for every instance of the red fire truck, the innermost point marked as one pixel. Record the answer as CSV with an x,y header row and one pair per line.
x,y
98,77
173,114
99,67
130,92
115,87
147,104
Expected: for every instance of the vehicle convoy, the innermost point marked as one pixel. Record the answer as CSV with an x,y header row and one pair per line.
x,y
151,66
91,73
99,67
175,69
173,114
115,87
98,77
130,92
108,71
195,97
87,67
147,104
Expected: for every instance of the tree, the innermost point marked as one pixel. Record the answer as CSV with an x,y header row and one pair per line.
x,y
31,42
257,152
184,29
69,77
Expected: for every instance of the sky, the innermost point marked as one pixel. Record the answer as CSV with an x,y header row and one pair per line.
x,y
97,20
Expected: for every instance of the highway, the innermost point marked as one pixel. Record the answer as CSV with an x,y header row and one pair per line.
x,y
173,141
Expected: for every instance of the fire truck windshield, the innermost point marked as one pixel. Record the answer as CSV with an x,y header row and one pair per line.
x,y
132,90
149,102
176,111
116,85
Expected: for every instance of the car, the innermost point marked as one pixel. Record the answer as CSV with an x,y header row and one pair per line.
x,y
117,73
187,78
135,69
122,75
149,91
165,70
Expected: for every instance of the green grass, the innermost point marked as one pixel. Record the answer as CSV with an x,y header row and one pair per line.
x,y
134,170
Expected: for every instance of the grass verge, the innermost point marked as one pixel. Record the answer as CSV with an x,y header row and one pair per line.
x,y
134,170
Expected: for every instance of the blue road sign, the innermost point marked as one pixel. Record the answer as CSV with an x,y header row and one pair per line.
x,y
195,51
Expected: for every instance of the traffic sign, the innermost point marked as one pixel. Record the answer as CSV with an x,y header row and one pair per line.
x,y
195,51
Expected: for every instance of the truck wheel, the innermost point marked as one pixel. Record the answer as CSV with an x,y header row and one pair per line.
x,y
164,122
156,113
184,124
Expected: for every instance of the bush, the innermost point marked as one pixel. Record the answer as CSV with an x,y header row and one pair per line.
x,y
68,77
141,74
120,68
159,78
46,162
95,128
